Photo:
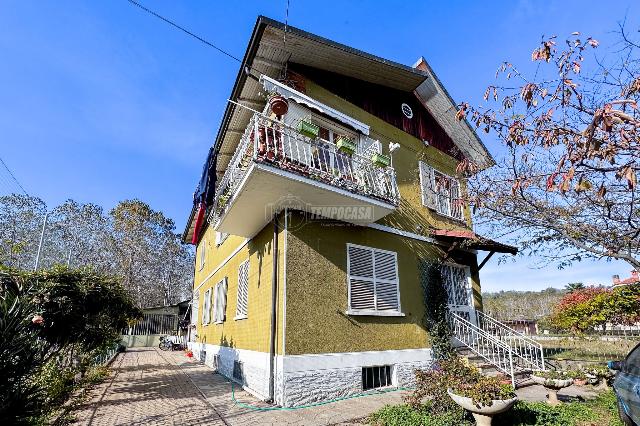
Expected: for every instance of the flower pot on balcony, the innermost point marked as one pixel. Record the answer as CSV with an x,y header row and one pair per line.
x,y
346,145
308,129
381,160
279,105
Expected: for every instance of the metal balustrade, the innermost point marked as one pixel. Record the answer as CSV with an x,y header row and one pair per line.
x,y
273,143
528,352
484,345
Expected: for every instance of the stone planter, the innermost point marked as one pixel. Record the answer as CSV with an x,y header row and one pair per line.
x,y
552,386
483,414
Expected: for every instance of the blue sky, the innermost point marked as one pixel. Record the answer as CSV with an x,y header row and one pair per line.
x,y
101,102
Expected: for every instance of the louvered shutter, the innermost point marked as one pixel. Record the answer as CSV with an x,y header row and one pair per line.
x,y
427,185
361,283
386,281
222,311
243,290
206,306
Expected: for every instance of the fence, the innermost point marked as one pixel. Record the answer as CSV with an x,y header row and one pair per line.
x,y
154,324
106,356
586,348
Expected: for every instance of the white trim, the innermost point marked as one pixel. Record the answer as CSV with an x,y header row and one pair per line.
x,y
241,317
340,360
322,185
224,262
272,85
284,284
414,236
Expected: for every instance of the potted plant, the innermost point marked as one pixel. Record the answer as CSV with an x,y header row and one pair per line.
x,y
346,145
600,374
484,398
579,377
380,160
552,380
308,129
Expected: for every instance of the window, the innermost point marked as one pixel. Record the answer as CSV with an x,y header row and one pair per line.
x,y
243,290
373,281
203,251
220,237
220,301
441,192
195,300
376,377
632,362
206,307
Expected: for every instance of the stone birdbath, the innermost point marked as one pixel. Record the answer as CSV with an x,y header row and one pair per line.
x,y
552,381
483,414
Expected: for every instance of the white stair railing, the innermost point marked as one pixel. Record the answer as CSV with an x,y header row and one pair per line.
x,y
528,352
483,345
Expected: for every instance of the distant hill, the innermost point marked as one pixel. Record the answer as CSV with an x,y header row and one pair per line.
x,y
513,305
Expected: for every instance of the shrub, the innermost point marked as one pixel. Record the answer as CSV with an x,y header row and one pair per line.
x,y
52,325
405,415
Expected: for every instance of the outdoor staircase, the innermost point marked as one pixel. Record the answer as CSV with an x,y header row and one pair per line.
x,y
496,348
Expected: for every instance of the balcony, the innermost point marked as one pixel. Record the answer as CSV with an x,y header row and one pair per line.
x,y
275,167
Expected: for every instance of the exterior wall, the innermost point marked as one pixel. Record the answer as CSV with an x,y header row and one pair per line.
x,y
411,212
317,295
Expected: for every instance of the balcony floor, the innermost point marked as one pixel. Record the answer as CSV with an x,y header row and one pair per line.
x,y
267,190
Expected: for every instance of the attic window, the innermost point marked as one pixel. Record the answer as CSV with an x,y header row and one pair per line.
x,y
406,110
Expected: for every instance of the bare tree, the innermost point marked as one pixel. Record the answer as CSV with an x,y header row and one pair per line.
x,y
566,189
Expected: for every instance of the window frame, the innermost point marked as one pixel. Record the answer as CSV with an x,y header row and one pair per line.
x,y
223,283
431,181
375,311
242,315
220,238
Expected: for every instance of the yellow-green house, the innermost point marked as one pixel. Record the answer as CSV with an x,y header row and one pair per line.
x,y
331,181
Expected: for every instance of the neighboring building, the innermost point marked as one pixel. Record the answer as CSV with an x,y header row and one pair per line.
x,y
633,279
171,320
525,326
307,276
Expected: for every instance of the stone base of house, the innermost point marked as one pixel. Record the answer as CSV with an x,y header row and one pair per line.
x,y
308,379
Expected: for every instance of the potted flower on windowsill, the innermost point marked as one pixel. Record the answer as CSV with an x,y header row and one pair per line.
x,y
380,160
484,398
308,129
553,381
346,145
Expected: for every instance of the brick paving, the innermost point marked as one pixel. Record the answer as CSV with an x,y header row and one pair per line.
x,y
151,387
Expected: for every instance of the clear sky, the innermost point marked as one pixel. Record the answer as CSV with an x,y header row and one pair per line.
x,y
100,101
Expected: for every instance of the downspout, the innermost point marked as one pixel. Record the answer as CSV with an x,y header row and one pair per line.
x,y
274,306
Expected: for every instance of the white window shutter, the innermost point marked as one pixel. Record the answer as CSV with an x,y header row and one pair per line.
x,y
223,300
386,279
243,290
427,185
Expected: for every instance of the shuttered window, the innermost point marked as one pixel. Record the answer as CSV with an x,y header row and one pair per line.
x,y
243,290
220,301
441,192
206,307
220,237
373,280
203,253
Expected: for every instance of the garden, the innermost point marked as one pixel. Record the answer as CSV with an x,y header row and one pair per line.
x,y
57,327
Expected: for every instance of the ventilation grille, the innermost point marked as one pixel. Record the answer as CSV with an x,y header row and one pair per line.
x,y
237,371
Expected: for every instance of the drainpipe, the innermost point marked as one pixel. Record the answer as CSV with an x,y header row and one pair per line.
x,y
274,306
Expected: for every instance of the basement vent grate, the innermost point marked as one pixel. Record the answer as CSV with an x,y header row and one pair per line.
x,y
237,371
376,377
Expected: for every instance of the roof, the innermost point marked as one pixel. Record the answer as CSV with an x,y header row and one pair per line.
x,y
269,51
472,240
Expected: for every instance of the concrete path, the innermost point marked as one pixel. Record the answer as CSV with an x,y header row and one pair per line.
x,y
151,387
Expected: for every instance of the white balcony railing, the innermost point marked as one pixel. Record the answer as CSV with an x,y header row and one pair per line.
x,y
273,143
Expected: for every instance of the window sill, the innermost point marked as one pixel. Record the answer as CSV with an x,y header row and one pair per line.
x,y
241,317
375,313
218,322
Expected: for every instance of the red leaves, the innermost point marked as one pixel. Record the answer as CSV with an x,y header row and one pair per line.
x,y
527,94
544,52
551,181
462,111
593,42
629,174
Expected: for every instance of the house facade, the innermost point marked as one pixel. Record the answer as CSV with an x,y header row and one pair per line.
x,y
330,186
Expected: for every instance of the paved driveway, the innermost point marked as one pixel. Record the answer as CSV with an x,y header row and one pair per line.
x,y
149,387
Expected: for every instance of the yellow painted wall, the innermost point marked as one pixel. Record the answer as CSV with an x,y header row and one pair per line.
x,y
251,333
317,297
411,212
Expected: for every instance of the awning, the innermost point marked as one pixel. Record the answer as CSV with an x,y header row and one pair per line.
x,y
271,85
470,239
